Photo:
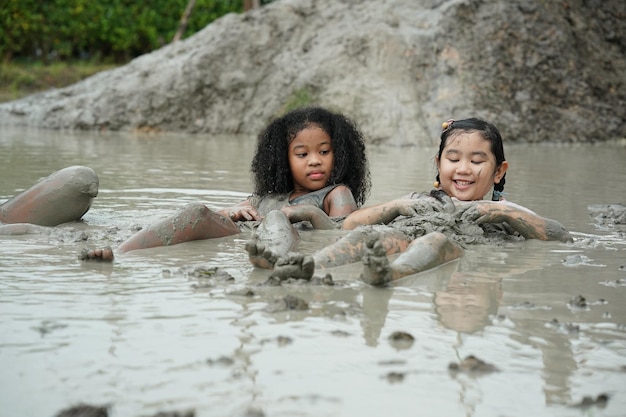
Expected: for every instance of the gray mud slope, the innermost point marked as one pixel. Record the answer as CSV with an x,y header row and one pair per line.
x,y
542,71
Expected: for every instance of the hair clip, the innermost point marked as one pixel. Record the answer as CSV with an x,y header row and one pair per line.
x,y
447,124
497,195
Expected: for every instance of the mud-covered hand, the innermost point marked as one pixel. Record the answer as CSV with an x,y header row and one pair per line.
x,y
241,213
419,206
306,212
524,221
470,212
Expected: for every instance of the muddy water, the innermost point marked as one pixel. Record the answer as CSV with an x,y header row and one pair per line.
x,y
154,331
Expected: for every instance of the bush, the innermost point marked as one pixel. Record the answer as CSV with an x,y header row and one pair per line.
x,y
114,30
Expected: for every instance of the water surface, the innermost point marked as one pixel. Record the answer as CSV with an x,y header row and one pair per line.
x,y
153,332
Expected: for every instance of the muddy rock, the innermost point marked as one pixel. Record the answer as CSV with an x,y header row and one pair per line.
x,y
288,302
472,364
543,71
84,410
588,401
401,340
610,217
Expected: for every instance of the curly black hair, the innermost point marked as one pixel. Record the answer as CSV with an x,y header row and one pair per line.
x,y
270,165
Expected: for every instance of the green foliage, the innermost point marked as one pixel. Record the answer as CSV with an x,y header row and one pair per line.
x,y
19,79
299,98
106,29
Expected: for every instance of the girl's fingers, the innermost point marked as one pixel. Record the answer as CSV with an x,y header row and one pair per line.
x,y
251,214
472,214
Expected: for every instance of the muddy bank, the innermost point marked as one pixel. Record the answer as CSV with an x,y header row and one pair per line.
x,y
543,71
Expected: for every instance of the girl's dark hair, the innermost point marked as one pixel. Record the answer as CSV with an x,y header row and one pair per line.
x,y
270,165
488,131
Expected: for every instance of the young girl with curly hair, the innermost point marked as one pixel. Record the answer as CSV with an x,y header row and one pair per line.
x,y
310,164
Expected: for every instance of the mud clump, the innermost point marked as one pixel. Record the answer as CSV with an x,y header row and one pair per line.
x,y
472,365
288,302
401,340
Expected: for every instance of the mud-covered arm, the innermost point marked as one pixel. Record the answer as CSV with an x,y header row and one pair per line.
x,y
381,213
386,212
527,223
306,212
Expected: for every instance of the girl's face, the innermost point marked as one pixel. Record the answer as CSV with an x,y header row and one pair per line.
x,y
311,160
467,167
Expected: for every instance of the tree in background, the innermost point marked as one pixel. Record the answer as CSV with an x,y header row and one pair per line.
x,y
104,30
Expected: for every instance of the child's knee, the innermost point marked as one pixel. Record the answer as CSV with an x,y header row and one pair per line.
x,y
197,209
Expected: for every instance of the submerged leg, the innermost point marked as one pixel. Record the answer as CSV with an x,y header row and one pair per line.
x,y
351,247
23,229
64,196
348,249
194,222
424,253
274,238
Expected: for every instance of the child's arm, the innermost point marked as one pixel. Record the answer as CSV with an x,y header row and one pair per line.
x,y
385,212
381,213
338,203
241,212
524,221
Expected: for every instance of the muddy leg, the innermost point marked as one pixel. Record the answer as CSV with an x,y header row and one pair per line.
x,y
274,238
351,247
424,253
194,222
23,229
64,196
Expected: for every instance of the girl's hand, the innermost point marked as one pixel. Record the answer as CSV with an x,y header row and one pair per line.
x,y
471,213
242,213
318,218
524,221
420,206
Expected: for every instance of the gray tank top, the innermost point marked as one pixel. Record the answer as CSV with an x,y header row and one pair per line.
x,y
277,201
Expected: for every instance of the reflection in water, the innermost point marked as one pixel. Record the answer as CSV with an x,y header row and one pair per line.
x,y
375,303
466,304
151,333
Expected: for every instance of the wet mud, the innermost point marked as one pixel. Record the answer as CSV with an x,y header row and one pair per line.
x,y
401,338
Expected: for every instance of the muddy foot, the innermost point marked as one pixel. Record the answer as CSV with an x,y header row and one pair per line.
x,y
260,256
104,254
294,265
376,268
